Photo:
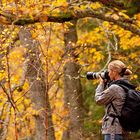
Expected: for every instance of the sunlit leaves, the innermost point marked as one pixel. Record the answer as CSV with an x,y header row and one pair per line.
x,y
2,74
91,52
16,66
96,5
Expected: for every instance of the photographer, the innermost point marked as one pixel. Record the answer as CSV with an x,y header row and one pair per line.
x,y
105,95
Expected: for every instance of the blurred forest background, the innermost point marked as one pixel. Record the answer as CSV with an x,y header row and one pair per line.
x,y
46,49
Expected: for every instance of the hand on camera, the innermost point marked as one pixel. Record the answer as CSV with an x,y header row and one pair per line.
x,y
102,80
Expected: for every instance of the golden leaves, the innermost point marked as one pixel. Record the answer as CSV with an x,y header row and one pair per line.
x,y
4,20
91,49
138,16
42,17
96,5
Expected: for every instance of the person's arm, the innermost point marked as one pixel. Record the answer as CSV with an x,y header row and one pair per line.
x,y
103,97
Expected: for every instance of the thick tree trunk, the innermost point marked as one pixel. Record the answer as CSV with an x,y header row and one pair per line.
x,y
72,88
38,88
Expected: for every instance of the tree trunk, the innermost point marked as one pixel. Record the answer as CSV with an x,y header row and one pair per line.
x,y
38,88
1,50
72,88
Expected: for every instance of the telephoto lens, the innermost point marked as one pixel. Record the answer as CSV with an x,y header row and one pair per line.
x,y
92,75
96,75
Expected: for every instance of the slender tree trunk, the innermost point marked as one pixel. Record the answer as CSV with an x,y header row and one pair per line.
x,y
72,88
38,88
1,50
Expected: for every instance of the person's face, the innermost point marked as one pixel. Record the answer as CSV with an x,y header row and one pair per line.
x,y
112,73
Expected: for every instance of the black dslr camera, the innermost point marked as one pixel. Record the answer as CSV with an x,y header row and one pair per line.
x,y
95,75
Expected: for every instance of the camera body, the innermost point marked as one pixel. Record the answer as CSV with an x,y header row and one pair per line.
x,y
96,75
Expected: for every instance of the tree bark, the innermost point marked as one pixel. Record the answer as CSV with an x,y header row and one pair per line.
x,y
38,88
72,88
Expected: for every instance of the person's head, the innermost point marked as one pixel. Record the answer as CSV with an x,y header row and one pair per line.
x,y
117,69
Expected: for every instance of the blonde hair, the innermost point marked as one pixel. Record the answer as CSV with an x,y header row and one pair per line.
x,y
120,67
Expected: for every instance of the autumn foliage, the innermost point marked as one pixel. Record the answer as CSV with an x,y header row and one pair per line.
x,y
104,33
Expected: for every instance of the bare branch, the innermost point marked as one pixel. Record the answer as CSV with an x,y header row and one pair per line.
x,y
4,132
10,99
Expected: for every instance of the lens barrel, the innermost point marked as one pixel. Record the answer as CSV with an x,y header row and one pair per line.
x,y
89,75
95,75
